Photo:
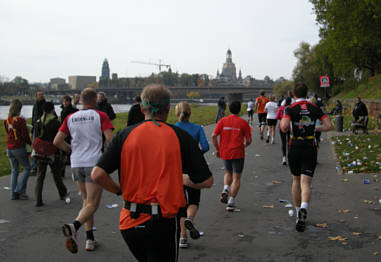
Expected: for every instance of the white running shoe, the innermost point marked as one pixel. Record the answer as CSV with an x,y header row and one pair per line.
x,y
183,242
90,245
284,161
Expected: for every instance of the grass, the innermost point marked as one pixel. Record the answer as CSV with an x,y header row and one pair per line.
x,y
371,89
359,153
202,115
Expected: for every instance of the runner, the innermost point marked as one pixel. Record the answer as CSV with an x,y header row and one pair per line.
x,y
301,117
235,135
192,196
152,157
285,137
85,128
250,111
271,110
260,104
221,109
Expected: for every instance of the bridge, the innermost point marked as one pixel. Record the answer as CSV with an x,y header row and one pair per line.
x,y
126,94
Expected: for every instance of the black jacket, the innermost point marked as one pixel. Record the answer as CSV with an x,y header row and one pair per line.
x,y
67,111
360,110
107,108
37,111
49,128
135,115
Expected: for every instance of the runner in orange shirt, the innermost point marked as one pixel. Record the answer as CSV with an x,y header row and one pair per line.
x,y
260,104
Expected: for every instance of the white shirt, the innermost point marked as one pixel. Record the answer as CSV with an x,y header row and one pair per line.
x,y
85,128
271,108
250,105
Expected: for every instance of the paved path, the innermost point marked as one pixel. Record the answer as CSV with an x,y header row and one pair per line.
x,y
253,234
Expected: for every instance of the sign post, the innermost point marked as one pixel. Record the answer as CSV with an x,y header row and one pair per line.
x,y
324,82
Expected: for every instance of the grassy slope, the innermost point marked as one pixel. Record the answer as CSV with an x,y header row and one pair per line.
x,y
371,89
202,115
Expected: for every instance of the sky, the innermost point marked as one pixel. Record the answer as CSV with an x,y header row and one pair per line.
x,y
43,39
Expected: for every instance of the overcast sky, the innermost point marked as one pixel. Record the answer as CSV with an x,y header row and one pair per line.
x,y
42,39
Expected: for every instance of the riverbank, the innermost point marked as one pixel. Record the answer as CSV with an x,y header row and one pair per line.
x,y
202,115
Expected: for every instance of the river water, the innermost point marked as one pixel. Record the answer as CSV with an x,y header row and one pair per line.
x,y
26,110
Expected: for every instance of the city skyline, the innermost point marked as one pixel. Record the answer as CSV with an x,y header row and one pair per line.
x,y
73,38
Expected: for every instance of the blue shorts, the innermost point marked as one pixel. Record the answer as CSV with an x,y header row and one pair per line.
x,y
234,165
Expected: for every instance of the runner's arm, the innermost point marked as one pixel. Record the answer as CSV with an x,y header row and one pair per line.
x,y
326,125
285,124
59,141
108,136
99,176
216,145
205,184
248,141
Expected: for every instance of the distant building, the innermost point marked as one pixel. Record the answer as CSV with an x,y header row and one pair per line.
x,y
57,80
58,84
114,76
228,70
81,82
105,71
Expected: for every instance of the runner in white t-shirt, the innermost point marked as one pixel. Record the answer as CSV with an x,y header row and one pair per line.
x,y
85,128
271,109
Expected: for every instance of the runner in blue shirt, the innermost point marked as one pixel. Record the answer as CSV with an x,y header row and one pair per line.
x,y
192,196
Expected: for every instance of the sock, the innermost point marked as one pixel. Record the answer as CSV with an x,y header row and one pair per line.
x,y
77,224
90,235
304,205
226,187
297,211
231,201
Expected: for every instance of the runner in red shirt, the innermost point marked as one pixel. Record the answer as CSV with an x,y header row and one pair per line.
x,y
260,104
235,135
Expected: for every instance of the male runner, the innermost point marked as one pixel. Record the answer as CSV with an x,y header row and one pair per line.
x,y
152,157
260,104
235,135
301,117
85,128
250,110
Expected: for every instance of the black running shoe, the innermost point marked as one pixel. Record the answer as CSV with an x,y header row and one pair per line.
x,y
230,208
261,136
268,139
224,197
71,237
301,222
188,223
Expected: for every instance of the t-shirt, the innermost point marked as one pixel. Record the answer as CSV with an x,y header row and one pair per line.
x,y
303,117
86,128
271,108
232,131
151,160
250,106
196,132
261,102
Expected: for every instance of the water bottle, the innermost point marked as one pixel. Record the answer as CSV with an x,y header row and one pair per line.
x,y
290,212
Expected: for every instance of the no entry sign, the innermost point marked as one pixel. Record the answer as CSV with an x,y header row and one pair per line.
x,y
324,81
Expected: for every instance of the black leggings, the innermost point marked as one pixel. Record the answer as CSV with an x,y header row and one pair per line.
x,y
285,138
154,241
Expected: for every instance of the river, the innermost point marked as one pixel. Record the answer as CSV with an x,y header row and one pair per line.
x,y
26,110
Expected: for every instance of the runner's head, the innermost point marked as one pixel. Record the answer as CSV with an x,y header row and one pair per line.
x,y
235,107
262,92
15,108
300,90
156,101
138,99
89,97
272,98
48,107
183,111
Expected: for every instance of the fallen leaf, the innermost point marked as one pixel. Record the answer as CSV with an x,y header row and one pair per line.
x,y
356,234
344,243
375,253
344,211
345,180
325,225
369,202
379,238
272,206
276,182
356,218
241,235
342,220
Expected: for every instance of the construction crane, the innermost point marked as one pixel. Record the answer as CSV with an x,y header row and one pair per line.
x,y
155,64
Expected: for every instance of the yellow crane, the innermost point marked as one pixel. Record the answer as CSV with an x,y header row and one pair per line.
x,y
155,64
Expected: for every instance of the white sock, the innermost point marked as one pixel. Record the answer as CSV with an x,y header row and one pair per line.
x,y
304,205
226,187
231,201
297,211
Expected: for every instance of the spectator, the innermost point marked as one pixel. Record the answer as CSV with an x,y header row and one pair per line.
x,y
338,108
221,108
360,110
75,100
36,115
135,115
104,106
67,108
17,138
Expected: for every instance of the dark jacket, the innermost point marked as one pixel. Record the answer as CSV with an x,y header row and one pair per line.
x,y
67,111
37,112
360,110
135,115
107,108
50,126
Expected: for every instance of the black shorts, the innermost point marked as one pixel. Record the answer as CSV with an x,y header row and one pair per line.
x,y
271,122
250,113
262,119
302,157
154,240
234,165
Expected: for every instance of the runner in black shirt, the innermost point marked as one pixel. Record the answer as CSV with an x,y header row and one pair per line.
x,y
301,117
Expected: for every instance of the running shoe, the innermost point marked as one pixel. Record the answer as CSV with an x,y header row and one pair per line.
x,y
284,162
90,245
224,196
268,139
230,208
301,222
272,140
261,136
71,237
183,242
23,197
188,223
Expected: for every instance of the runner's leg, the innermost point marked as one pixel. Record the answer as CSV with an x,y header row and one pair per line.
x,y
235,185
296,191
305,188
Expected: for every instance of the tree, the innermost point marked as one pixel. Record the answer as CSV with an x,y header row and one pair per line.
x,y
193,95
